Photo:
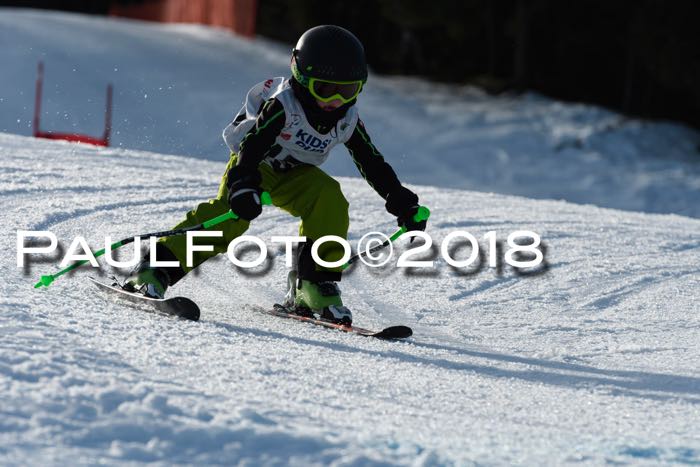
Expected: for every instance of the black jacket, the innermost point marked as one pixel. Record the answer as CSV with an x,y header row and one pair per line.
x,y
259,143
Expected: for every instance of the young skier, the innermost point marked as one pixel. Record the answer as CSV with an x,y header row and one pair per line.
x,y
285,130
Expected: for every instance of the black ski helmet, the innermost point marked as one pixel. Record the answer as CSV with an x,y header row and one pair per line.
x,y
330,53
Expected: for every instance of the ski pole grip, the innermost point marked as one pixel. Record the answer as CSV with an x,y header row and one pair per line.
x,y
422,215
265,199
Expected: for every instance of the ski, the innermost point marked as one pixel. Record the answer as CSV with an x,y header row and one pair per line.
x,y
180,307
392,332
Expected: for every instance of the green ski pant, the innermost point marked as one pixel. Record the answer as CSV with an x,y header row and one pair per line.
x,y
305,191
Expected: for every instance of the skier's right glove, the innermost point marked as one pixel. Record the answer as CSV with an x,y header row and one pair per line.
x,y
244,192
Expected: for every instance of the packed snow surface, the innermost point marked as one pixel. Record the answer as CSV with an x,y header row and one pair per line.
x,y
177,86
592,359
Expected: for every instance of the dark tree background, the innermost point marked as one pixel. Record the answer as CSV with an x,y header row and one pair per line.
x,y
82,6
641,57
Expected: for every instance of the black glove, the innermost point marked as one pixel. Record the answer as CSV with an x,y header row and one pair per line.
x,y
406,220
244,192
403,203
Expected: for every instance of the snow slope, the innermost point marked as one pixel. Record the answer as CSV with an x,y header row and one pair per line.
x,y
176,87
592,362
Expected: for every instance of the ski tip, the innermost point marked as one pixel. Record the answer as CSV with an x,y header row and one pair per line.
x,y
186,308
181,307
192,316
395,332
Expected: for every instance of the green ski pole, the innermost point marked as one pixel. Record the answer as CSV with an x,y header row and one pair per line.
x,y
46,281
422,215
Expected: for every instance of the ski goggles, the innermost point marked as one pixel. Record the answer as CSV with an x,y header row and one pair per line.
x,y
326,91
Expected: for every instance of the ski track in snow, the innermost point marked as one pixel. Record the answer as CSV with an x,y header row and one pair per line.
x,y
593,361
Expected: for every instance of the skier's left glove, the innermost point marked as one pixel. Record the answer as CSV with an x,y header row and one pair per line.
x,y
403,203
406,220
244,192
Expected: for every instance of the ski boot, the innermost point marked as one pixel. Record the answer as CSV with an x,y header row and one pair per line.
x,y
316,299
150,282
